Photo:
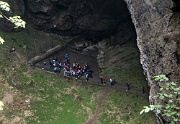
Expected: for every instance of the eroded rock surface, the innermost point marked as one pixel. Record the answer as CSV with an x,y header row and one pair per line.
x,y
158,39
86,17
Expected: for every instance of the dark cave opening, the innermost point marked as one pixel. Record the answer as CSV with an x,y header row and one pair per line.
x,y
93,20
98,22
176,6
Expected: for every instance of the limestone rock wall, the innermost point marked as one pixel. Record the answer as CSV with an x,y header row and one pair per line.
x,y
158,39
91,18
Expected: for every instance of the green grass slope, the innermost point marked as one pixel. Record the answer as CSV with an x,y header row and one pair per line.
x,y
44,98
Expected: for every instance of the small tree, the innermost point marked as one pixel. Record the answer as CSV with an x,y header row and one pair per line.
x,y
16,20
169,98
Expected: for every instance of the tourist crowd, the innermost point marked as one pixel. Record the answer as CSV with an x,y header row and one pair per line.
x,y
74,70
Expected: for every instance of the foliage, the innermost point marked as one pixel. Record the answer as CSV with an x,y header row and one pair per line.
x,y
16,20
169,96
1,105
1,40
4,6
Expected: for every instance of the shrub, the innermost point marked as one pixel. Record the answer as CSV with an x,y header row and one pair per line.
x,y
169,97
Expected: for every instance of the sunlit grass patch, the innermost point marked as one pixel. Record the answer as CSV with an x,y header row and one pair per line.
x,y
56,101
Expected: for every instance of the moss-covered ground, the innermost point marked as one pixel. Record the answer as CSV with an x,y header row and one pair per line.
x,y
122,63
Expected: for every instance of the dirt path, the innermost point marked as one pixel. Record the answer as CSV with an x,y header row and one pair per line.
x,y
102,96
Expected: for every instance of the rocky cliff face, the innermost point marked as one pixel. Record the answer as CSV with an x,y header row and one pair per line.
x,y
91,18
158,39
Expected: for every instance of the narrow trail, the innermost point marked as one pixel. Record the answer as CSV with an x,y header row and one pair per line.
x,y
102,96
118,87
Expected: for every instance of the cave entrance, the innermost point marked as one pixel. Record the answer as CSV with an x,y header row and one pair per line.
x,y
108,26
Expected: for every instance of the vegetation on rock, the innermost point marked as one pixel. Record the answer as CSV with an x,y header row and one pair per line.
x,y
169,100
16,20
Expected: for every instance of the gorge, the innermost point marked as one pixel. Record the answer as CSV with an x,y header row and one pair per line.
x,y
151,24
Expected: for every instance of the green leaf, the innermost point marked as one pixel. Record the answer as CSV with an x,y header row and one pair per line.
x,y
173,113
142,112
176,120
170,96
178,114
161,89
160,78
161,97
167,114
170,101
172,122
151,107
167,106
159,106
145,107
166,95
172,83
147,110
1,40
167,88
1,105
166,79
1,108
4,6
177,89
18,22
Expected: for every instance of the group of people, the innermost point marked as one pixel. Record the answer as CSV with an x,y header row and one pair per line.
x,y
74,70
103,81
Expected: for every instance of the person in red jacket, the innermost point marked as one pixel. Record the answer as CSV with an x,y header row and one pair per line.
x,y
102,80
